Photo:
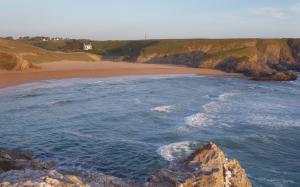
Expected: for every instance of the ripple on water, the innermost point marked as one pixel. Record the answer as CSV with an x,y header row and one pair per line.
x,y
118,125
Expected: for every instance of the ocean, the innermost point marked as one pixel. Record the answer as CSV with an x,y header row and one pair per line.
x,y
131,127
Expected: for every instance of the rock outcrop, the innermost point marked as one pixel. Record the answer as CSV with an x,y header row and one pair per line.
x,y
260,59
206,167
21,160
10,61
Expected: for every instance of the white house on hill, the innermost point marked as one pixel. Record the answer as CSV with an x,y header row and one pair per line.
x,y
87,47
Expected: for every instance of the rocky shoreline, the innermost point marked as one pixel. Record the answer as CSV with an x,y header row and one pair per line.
x,y
207,166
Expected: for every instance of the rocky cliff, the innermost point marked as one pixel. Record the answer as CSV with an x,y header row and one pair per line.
x,y
206,167
261,59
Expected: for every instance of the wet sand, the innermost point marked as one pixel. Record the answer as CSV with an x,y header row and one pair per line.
x,y
79,69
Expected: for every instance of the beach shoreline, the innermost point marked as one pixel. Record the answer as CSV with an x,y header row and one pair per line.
x,y
81,69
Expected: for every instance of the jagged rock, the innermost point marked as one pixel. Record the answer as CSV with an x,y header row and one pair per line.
x,y
277,76
206,167
51,178
19,160
249,57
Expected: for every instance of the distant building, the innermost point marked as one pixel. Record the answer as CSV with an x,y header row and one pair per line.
x,y
56,39
41,38
87,47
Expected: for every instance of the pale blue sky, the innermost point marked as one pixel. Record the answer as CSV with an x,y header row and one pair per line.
x,y
132,19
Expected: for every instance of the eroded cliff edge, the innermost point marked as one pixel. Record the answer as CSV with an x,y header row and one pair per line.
x,y
260,59
207,166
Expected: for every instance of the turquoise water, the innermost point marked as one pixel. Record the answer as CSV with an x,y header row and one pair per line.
x,y
132,126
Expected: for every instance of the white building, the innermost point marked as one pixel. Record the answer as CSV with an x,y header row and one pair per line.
x,y
87,47
57,39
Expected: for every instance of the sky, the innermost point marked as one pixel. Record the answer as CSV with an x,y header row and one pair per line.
x,y
135,19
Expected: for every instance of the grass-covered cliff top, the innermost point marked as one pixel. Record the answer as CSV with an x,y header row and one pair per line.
x,y
21,55
252,57
143,48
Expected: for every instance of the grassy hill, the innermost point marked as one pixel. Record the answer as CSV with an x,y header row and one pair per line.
x,y
17,55
259,58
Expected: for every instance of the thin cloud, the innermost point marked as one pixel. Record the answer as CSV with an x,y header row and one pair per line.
x,y
295,8
269,12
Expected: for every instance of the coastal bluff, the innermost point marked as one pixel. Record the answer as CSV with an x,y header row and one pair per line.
x,y
206,167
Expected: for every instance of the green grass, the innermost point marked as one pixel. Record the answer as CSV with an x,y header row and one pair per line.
x,y
32,54
50,45
130,50
145,47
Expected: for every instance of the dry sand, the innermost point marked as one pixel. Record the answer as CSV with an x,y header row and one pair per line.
x,y
79,69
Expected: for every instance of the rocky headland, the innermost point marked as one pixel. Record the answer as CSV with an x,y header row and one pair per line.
x,y
206,167
259,59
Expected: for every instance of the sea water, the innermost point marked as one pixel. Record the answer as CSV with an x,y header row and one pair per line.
x,y
131,127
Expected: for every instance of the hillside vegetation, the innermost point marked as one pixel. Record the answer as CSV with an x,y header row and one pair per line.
x,y
16,55
263,59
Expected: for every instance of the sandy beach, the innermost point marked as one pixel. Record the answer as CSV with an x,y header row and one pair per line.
x,y
80,69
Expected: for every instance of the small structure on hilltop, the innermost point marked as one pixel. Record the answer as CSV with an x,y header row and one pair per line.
x,y
56,38
87,47
41,38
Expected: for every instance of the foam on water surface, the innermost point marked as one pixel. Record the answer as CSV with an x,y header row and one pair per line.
x,y
163,108
131,127
176,151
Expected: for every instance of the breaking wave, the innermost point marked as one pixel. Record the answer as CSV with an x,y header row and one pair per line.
x,y
177,151
164,108
198,119
225,96
208,116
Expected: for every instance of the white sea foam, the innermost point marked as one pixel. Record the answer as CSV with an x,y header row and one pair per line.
x,y
198,119
97,82
176,151
271,120
77,133
164,108
225,96
208,116
211,107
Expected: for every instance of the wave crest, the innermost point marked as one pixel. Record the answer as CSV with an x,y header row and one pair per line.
x,y
198,119
176,151
225,96
164,108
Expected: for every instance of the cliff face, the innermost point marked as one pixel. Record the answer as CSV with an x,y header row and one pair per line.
x,y
207,166
261,59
